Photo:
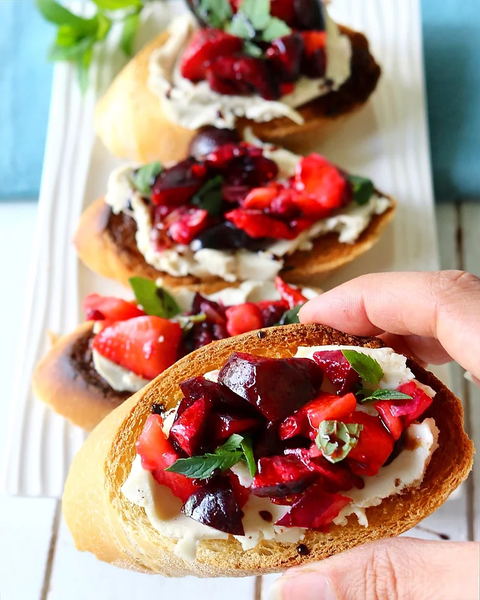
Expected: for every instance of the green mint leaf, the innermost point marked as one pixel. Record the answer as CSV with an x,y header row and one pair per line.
x,y
202,467
249,457
56,13
275,29
210,196
366,366
67,36
385,395
252,49
233,443
79,51
291,316
257,12
363,188
335,439
145,177
215,13
116,4
187,322
129,33
155,301
241,27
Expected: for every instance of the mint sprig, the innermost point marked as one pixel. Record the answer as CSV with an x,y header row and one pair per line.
x,y
254,21
363,188
367,367
384,395
154,300
336,439
291,316
212,13
210,197
235,449
145,177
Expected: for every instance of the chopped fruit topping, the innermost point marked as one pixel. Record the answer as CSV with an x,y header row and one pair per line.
x,y
289,294
337,369
315,510
283,10
242,494
272,311
223,424
187,430
242,75
393,424
177,185
276,386
243,318
99,308
260,198
144,345
280,476
325,407
256,224
411,410
286,55
157,454
215,506
309,14
211,138
317,176
315,59
221,396
206,45
374,446
187,224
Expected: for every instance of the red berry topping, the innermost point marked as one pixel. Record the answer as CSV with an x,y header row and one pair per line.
x,y
177,185
242,318
314,61
144,345
337,369
280,476
317,176
225,424
185,223
284,10
411,410
285,55
206,45
375,444
188,428
256,224
99,308
289,294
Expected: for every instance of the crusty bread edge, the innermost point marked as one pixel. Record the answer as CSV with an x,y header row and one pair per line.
x,y
100,253
102,521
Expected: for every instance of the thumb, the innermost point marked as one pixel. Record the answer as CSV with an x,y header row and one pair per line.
x,y
396,569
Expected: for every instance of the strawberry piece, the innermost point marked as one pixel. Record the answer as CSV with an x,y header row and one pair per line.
x,y
242,318
411,410
280,476
99,308
324,407
393,424
337,369
157,454
286,55
315,510
187,224
291,295
314,61
258,225
375,444
224,424
243,75
187,430
260,198
176,186
283,10
271,311
242,494
315,175
145,345
309,206
206,45
286,88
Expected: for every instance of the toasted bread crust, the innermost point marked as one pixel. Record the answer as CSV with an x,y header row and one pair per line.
x,y
108,247
62,381
102,521
130,121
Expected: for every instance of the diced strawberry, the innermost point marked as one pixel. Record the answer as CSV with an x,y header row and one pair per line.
x,y
286,55
242,494
393,424
309,206
223,424
286,88
411,410
144,345
257,225
375,444
315,510
280,476
206,45
99,308
157,454
187,224
187,430
314,61
291,295
337,369
325,407
260,198
284,204
315,175
242,318
176,185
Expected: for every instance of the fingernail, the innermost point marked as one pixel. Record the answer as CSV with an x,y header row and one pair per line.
x,y
307,585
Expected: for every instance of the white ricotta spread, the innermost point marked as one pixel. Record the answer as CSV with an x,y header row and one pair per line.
x,y
120,379
406,471
193,105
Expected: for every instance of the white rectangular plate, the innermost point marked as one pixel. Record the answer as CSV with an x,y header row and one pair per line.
x,y
387,140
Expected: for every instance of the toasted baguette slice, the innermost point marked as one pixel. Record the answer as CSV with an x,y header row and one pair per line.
x,y
102,521
106,244
130,121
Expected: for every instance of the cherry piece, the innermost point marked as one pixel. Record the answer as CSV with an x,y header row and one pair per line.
x,y
215,506
187,430
286,55
177,185
337,369
280,476
210,138
243,318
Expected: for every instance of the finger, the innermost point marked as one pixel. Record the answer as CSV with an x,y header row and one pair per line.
x,y
397,569
423,350
444,305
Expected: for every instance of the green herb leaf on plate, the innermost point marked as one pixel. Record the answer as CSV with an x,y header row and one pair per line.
x,y
363,188
367,367
335,439
385,395
210,196
145,177
155,301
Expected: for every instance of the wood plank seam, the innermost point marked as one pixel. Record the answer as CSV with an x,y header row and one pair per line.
x,y
51,551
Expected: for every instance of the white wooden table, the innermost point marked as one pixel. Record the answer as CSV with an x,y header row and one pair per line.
x,y
37,558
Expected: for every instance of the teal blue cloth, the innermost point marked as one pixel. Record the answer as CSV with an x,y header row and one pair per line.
x,y
452,55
